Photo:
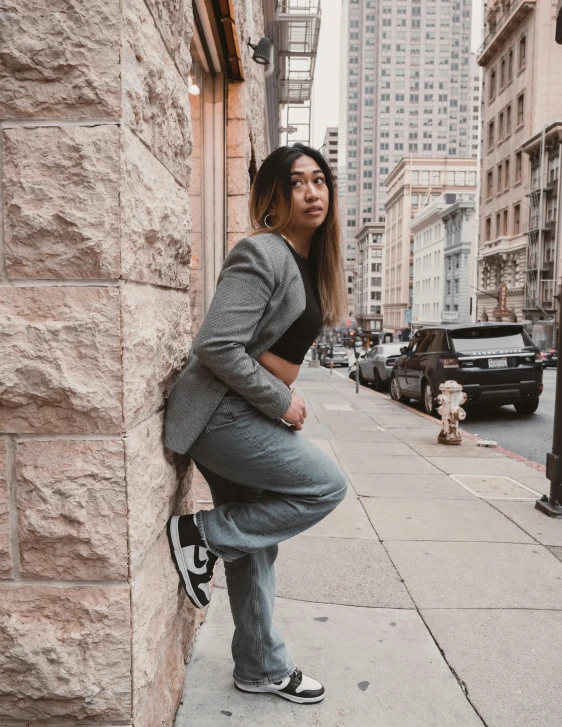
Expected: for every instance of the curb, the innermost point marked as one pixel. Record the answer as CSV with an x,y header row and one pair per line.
x,y
507,452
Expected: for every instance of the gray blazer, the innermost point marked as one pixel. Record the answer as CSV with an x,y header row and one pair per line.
x,y
259,295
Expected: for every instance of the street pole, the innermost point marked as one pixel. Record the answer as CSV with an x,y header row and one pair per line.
x,y
552,505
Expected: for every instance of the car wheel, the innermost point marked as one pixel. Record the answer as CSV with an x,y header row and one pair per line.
x,y
529,406
362,379
377,381
428,400
396,393
352,375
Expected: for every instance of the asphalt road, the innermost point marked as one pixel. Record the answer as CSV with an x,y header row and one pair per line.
x,y
530,436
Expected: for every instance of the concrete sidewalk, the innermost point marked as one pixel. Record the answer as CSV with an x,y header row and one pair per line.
x,y
432,596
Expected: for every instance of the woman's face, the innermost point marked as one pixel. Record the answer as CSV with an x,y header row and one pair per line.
x,y
311,197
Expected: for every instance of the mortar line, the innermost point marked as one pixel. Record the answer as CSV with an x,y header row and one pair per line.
x,y
3,265
78,437
85,283
42,123
55,583
13,504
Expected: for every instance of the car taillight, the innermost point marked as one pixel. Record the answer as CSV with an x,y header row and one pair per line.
x,y
541,387
538,356
390,361
449,363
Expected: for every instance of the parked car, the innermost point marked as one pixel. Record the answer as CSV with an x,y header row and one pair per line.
x,y
549,357
376,367
496,363
352,368
335,353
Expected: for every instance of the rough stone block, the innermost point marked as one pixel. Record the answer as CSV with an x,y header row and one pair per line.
x,y
174,19
5,546
238,179
238,219
72,510
237,93
65,653
155,98
60,59
159,607
154,484
155,218
60,367
62,202
156,341
237,139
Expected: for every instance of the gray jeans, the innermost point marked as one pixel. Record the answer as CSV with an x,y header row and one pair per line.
x,y
268,484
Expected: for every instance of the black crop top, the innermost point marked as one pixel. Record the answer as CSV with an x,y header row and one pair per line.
x,y
297,339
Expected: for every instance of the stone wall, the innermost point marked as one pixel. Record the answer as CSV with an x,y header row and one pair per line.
x,y
94,322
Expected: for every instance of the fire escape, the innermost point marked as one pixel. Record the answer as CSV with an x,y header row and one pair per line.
x,y
540,281
298,30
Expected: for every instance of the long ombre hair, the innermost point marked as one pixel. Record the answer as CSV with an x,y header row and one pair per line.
x,y
272,188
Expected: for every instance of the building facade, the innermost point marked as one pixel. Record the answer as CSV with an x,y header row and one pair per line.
x,y
370,268
414,183
444,260
459,259
544,253
405,88
125,180
522,94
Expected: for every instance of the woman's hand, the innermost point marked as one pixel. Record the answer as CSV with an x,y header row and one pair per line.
x,y
296,413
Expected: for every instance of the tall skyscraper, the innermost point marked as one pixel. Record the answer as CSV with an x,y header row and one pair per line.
x,y
405,90
330,149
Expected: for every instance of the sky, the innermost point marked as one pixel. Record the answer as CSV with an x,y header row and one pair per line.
x,y
325,88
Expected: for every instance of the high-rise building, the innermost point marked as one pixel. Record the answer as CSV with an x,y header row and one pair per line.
x,y
414,183
522,95
405,88
330,149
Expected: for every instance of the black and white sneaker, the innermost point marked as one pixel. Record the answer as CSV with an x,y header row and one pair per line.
x,y
193,560
296,688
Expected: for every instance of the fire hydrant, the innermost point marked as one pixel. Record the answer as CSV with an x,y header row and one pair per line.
x,y
451,398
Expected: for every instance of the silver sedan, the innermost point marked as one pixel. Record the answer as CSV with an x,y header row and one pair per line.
x,y
376,367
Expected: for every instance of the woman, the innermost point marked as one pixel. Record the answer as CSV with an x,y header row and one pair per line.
x,y
233,411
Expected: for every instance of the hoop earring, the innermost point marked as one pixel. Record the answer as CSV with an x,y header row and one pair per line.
x,y
269,227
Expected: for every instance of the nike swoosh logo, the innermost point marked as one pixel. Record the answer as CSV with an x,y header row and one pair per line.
x,y
196,561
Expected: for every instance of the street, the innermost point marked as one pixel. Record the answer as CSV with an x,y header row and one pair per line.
x,y
530,436
527,435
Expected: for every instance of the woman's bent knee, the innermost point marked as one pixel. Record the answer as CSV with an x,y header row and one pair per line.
x,y
335,487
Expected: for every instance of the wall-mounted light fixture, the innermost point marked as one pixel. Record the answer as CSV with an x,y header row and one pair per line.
x,y
263,51
192,88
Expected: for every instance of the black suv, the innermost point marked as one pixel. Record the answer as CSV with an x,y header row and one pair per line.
x,y
496,363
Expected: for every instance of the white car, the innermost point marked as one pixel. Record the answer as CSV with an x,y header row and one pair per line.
x,y
376,367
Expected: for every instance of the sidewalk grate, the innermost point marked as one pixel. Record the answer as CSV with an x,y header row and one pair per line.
x,y
317,430
495,487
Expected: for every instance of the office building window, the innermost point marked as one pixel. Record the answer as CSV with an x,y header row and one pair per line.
x,y
516,219
504,222
522,52
506,174
488,229
508,121
492,88
499,188
518,167
520,109
510,65
491,129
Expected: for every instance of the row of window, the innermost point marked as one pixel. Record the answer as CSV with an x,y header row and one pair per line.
x,y
500,131
505,72
502,223
451,178
503,176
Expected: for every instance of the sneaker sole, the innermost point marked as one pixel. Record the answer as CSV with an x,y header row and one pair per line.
x,y
177,557
284,695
